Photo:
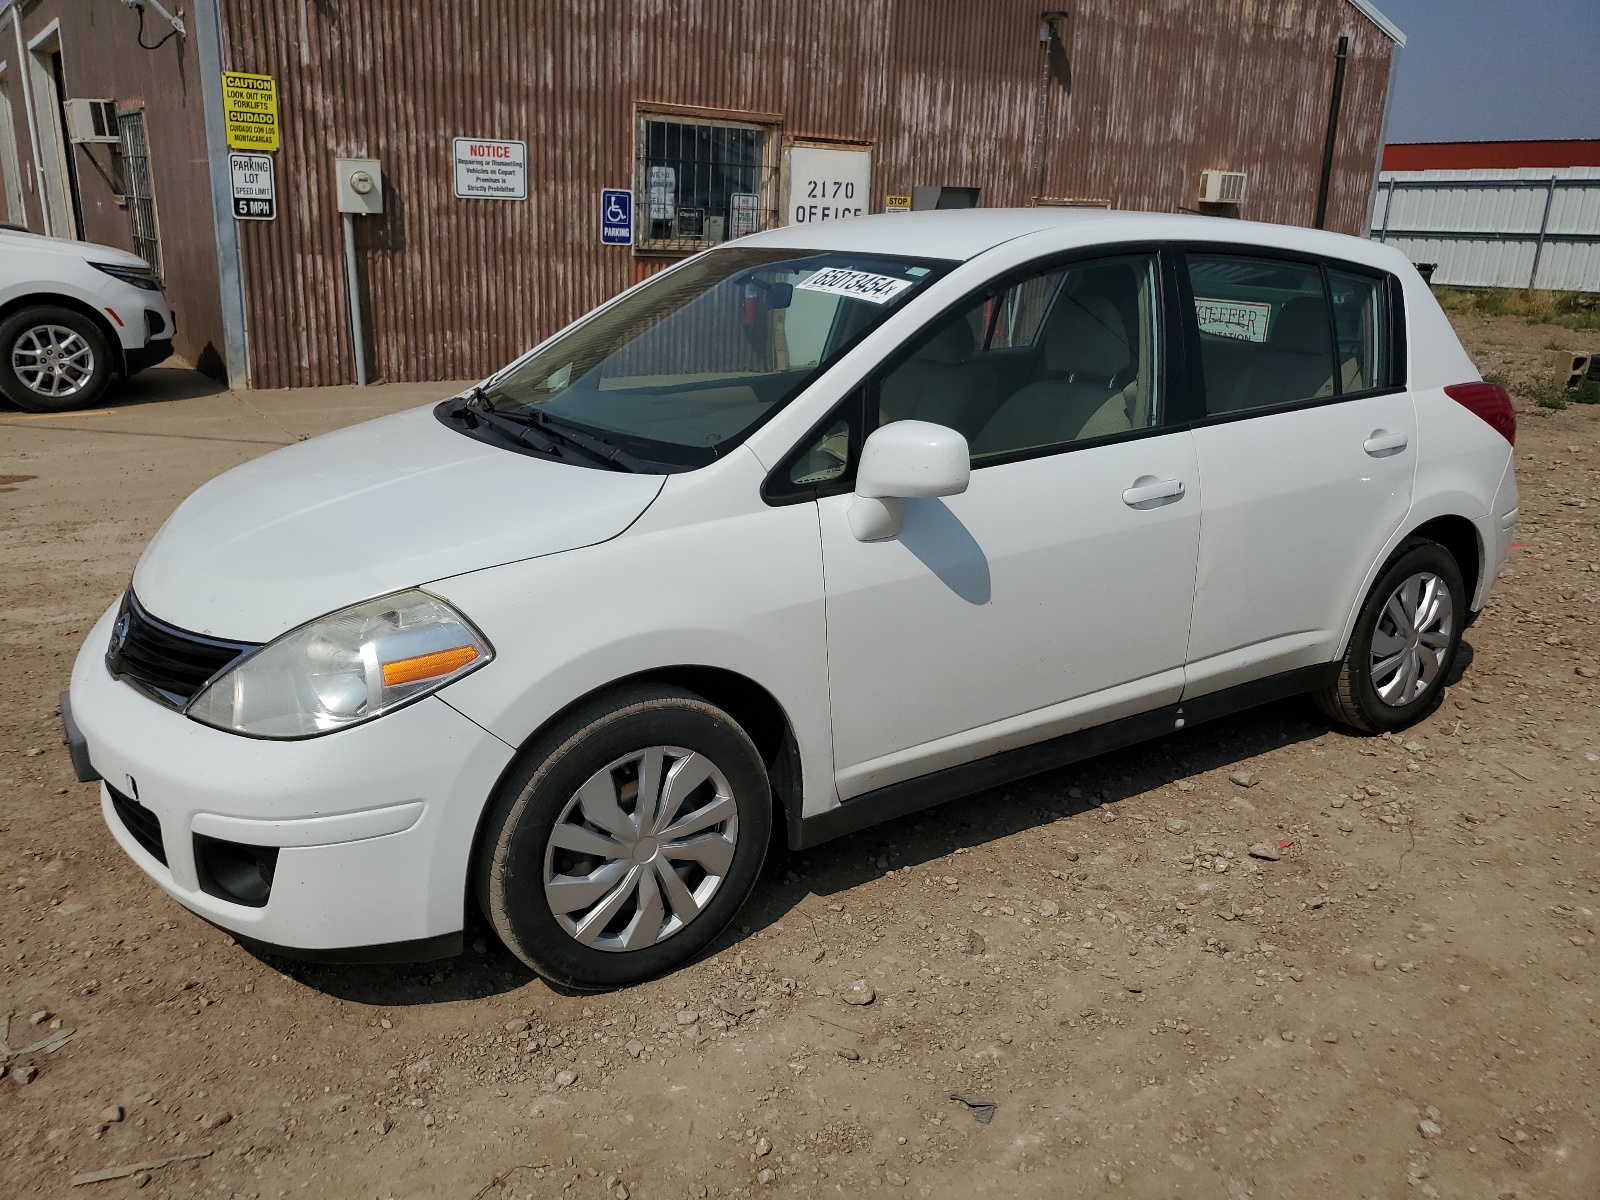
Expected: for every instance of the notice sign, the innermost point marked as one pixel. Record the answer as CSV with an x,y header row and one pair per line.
x,y
250,110
616,217
488,170
744,214
255,198
1240,319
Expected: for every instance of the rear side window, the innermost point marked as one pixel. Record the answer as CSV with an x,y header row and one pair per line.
x,y
1275,332
1358,321
1266,337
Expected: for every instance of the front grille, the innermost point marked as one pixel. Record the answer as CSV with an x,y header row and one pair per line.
x,y
166,663
143,824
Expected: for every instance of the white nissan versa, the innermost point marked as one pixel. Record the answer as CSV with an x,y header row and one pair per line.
x,y
823,526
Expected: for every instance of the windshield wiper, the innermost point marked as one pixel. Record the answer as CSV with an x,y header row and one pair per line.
x,y
568,434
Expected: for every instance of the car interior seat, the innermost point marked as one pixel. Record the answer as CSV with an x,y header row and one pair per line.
x,y
1295,364
1085,388
944,383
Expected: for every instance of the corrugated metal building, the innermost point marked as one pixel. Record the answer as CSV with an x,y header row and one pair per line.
x,y
1495,214
717,116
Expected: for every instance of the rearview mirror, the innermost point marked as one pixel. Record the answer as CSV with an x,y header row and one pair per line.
x,y
901,461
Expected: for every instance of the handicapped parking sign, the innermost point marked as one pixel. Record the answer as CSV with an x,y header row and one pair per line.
x,y
616,217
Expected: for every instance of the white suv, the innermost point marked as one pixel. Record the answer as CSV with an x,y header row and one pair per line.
x,y
819,528
73,316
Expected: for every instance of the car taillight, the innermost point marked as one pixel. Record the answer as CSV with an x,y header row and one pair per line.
x,y
1489,401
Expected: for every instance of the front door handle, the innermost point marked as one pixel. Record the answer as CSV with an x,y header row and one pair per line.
x,y
1383,442
1147,489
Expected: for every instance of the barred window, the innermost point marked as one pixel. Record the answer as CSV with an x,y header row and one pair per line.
x,y
700,181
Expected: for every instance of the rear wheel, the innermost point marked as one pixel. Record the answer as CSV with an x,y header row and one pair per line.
x,y
53,359
627,839
1404,644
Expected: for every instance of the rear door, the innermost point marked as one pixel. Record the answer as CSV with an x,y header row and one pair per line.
x,y
1307,449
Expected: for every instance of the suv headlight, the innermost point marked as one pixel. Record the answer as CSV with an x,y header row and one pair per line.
x,y
140,277
344,668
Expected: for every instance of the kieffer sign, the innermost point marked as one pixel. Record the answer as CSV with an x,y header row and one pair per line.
x,y
490,170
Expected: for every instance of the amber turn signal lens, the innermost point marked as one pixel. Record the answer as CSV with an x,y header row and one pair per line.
x,y
427,666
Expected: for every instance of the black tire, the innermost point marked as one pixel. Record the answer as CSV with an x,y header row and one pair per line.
x,y
1353,698
17,328
516,837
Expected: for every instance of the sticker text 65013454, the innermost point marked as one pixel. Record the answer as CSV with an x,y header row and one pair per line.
x,y
862,285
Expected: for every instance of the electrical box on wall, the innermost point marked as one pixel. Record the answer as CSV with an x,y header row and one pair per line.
x,y
1222,187
360,183
92,121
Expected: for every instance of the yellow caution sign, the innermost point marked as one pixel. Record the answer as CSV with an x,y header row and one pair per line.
x,y
250,108
897,204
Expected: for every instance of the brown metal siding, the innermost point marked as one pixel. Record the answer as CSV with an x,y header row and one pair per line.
x,y
101,59
1150,93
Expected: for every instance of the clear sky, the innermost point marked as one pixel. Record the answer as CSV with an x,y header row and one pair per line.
x,y
1480,70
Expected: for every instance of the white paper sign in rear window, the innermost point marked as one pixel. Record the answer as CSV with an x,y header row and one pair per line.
x,y
1242,320
861,285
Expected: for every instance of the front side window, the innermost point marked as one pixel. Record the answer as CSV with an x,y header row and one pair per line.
x,y
681,369
699,181
1063,356
1266,336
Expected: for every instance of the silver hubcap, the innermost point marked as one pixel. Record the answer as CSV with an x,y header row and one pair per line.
x,y
1411,639
53,360
642,848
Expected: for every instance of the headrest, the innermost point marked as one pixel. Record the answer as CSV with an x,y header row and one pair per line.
x,y
1086,335
1301,327
951,345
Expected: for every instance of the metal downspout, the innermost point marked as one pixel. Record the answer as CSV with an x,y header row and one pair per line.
x,y
24,77
230,272
1333,133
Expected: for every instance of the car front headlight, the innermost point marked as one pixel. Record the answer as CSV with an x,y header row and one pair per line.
x,y
344,668
140,277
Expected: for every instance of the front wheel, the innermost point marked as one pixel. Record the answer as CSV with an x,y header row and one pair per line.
x,y
626,839
1404,644
53,359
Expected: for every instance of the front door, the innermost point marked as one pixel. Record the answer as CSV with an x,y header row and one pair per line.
x,y
1055,593
1307,452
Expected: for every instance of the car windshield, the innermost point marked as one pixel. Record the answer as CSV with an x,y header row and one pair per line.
x,y
680,370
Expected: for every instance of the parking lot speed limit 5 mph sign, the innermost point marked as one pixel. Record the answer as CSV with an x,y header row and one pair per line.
x,y
255,196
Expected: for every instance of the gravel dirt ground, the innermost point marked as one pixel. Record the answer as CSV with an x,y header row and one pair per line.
x,y
1394,996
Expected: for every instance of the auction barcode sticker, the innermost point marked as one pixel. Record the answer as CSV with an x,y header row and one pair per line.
x,y
862,285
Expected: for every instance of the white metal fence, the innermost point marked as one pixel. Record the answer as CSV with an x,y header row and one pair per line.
x,y
1529,227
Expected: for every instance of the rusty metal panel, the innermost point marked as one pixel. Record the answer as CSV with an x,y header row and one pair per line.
x,y
1142,95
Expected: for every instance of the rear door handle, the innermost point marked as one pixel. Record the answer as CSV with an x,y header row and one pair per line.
x,y
1147,488
1383,442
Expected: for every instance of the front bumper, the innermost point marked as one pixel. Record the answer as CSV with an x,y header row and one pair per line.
x,y
147,355
372,827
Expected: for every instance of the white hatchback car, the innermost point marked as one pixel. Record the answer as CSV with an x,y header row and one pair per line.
x,y
821,527
73,317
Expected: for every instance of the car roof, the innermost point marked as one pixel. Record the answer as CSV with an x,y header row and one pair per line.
x,y
963,234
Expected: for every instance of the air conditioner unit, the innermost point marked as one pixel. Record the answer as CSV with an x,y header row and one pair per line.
x,y
1222,187
92,121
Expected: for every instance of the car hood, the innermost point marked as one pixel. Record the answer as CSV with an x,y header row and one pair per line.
x,y
384,505
38,243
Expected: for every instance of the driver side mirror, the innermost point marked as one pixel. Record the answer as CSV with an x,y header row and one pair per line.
x,y
901,461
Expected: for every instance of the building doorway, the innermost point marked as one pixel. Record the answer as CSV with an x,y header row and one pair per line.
x,y
47,75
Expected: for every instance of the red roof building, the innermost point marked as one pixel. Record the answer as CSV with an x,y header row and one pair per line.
x,y
1470,156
